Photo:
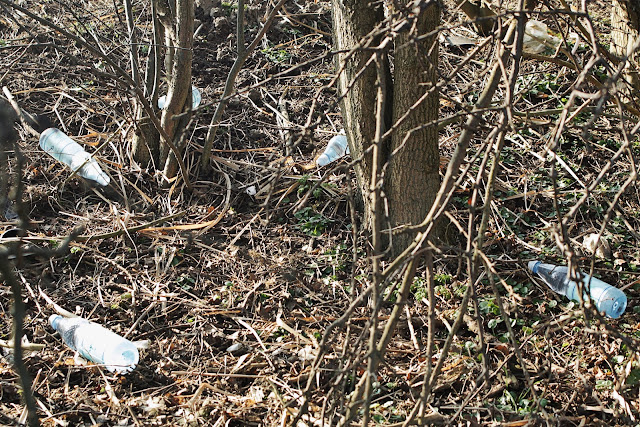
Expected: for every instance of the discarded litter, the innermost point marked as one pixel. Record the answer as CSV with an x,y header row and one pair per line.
x,y
606,298
196,98
307,353
96,343
457,40
66,150
597,245
14,235
336,148
537,38
10,233
237,349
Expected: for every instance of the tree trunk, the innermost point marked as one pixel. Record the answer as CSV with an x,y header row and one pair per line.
x,y
146,140
180,84
352,21
414,174
625,23
412,179
179,79
177,19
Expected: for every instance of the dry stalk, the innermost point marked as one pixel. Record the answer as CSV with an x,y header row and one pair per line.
x,y
121,73
11,251
243,55
375,190
8,276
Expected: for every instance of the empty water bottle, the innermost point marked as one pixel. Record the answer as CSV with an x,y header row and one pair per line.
x,y
66,150
606,298
96,343
336,148
196,98
537,38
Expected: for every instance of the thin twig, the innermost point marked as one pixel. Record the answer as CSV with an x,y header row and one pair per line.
x,y
9,278
230,82
121,72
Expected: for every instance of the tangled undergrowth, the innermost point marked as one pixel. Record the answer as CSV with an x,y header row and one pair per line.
x,y
235,282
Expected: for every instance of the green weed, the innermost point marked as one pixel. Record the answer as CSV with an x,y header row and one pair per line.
x,y
311,222
279,56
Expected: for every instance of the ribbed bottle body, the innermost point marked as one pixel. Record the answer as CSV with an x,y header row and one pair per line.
x,y
606,298
96,343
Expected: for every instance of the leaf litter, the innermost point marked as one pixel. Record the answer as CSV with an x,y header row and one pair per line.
x,y
233,286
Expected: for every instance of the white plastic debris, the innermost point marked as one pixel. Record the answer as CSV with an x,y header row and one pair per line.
x,y
96,343
153,405
537,38
236,348
256,394
307,353
196,98
142,344
336,148
598,246
66,150
457,40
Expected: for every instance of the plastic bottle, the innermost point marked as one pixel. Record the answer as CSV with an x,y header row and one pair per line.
x,y
537,38
196,98
606,298
336,148
66,150
96,343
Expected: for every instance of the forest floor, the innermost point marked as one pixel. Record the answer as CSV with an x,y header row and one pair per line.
x,y
234,282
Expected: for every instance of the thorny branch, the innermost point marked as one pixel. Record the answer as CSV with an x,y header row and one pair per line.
x,y
357,357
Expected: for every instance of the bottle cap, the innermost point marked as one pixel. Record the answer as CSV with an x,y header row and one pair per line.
x,y
53,320
533,266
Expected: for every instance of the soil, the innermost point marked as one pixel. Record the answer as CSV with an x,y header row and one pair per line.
x,y
232,284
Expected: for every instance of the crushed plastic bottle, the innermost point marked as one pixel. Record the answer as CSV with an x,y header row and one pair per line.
x,y
336,148
96,343
66,150
606,298
537,38
196,98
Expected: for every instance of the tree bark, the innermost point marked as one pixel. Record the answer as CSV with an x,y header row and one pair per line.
x,y
146,140
625,24
177,18
412,178
352,21
414,173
